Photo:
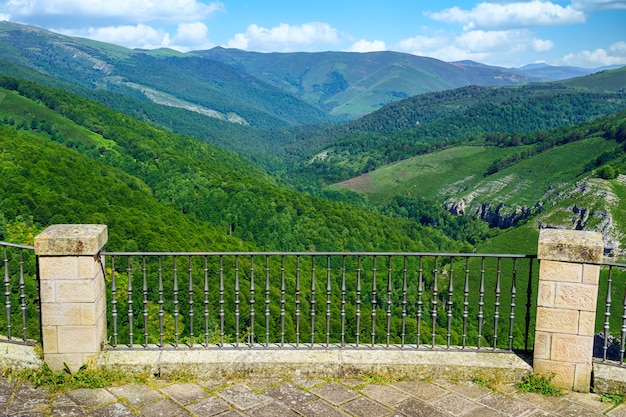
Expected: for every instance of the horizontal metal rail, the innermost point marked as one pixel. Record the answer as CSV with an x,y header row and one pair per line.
x,y
309,300
610,341
20,318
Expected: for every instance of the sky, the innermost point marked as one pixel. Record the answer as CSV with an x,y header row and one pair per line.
x,y
583,33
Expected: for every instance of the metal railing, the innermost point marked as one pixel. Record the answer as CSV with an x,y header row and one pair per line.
x,y
273,300
610,339
20,317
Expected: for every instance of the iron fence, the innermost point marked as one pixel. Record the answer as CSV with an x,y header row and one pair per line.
x,y
610,339
263,300
20,317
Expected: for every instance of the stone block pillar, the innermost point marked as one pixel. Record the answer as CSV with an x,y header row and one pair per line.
x,y
566,306
73,293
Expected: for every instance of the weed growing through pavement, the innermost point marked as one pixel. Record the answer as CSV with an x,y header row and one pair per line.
x,y
539,384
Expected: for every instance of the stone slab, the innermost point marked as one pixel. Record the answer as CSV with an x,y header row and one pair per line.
x,y
71,239
570,246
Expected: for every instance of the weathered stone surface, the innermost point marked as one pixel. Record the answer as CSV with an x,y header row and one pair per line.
x,y
557,320
364,407
71,239
546,294
563,372
609,379
185,393
543,345
576,296
570,246
243,397
385,394
572,348
415,408
335,393
560,271
506,404
289,395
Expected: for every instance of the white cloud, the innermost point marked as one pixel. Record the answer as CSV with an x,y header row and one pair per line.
x,y
616,55
122,11
424,42
510,15
188,36
496,47
138,36
191,36
285,38
4,17
594,5
366,46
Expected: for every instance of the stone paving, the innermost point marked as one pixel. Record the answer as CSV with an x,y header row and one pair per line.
x,y
298,397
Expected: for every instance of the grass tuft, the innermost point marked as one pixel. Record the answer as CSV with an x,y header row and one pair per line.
x,y
539,384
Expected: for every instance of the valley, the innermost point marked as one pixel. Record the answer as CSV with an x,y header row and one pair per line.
x,y
226,149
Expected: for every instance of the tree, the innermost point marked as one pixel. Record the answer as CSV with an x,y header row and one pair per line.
x,y
607,172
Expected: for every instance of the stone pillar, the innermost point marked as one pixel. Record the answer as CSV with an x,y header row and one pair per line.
x,y
73,293
566,306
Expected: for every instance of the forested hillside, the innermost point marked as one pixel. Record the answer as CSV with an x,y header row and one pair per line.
x,y
433,121
67,159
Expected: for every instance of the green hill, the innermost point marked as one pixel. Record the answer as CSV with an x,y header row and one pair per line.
x,y
431,121
552,180
166,192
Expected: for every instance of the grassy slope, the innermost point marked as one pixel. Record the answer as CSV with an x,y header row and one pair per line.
x,y
456,172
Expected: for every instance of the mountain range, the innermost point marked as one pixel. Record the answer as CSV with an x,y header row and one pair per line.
x,y
260,89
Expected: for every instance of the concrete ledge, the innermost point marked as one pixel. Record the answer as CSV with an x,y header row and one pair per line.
x,y
609,379
219,363
18,356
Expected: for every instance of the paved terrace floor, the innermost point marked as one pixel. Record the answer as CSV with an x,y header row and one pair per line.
x,y
297,397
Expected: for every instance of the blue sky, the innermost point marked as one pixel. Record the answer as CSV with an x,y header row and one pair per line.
x,y
586,33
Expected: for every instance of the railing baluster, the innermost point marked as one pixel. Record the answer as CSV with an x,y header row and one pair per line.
x,y
144,289
529,293
420,303
312,301
513,295
190,289
129,291
252,300
343,301
22,296
607,315
176,334
222,313
450,302
282,301
404,301
374,301
389,290
113,302
481,302
267,301
237,300
206,301
434,302
465,303
358,300
496,304
297,301
7,292
328,292
161,313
